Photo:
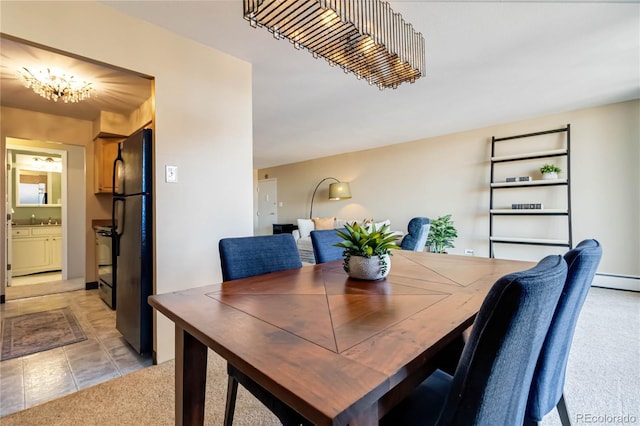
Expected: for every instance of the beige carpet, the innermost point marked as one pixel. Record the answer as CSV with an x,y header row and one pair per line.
x,y
145,397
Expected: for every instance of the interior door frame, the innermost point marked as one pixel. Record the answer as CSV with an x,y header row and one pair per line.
x,y
8,244
274,217
16,146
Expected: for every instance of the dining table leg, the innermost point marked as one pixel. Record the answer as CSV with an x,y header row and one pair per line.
x,y
191,378
368,417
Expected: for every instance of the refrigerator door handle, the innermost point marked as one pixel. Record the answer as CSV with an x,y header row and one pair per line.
x,y
117,215
117,179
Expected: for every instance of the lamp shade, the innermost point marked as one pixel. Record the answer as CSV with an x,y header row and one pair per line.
x,y
339,191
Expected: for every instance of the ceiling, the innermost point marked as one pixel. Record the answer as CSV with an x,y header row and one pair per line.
x,y
115,90
488,62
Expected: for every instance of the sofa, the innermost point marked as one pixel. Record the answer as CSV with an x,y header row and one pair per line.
x,y
302,235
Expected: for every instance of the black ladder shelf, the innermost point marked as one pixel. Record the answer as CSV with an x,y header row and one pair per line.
x,y
494,213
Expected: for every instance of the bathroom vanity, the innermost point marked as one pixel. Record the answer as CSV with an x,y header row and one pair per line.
x,y
36,248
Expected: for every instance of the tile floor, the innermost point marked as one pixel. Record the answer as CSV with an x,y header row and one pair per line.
x,y
37,378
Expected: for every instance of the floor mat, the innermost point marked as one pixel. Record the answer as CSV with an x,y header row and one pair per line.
x,y
39,331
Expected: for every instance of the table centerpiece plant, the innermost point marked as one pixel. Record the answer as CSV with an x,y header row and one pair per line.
x,y
367,250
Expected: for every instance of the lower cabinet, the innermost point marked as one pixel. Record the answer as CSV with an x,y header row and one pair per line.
x,y
56,251
36,249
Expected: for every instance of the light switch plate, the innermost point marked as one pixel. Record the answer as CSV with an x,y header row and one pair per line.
x,y
171,174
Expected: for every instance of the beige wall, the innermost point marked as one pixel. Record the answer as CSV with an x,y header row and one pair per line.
x,y
202,125
450,174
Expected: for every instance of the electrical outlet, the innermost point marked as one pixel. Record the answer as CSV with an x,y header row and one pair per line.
x,y
468,252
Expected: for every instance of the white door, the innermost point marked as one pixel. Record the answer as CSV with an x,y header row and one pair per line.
x,y
267,206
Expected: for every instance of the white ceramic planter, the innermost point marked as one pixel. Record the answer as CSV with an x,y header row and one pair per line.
x,y
550,176
364,268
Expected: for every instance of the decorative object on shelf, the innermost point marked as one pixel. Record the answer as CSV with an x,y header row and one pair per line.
x,y
367,251
54,86
535,206
337,191
550,171
364,37
441,234
519,179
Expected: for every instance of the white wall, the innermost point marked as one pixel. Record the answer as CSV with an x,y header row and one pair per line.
x,y
202,125
450,174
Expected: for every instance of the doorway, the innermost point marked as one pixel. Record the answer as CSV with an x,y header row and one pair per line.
x,y
267,206
38,231
119,92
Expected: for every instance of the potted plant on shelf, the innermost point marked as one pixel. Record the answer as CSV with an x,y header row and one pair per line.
x,y
441,234
550,171
367,251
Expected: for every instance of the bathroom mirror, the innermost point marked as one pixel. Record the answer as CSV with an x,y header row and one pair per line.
x,y
38,188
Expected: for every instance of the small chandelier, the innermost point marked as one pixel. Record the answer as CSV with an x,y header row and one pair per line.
x,y
364,37
54,87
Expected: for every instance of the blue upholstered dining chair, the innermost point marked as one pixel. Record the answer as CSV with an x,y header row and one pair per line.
x,y
418,231
491,383
548,380
245,257
323,242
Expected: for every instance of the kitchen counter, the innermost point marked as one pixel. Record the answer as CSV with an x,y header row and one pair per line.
x,y
23,225
101,223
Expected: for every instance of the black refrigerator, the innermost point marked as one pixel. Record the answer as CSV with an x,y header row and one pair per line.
x,y
131,214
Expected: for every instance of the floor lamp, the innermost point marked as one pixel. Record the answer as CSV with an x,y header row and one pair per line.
x,y
337,191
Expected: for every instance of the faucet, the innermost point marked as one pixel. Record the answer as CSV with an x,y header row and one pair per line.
x,y
49,223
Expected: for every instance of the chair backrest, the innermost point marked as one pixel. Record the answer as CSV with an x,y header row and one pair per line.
x,y
418,231
491,383
548,379
324,249
249,256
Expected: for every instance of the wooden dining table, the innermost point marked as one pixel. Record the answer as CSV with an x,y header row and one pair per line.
x,y
338,350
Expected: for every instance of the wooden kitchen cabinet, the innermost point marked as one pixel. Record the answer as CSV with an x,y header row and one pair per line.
x,y
105,153
36,249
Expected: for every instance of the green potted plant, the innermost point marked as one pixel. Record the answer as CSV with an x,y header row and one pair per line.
x,y
550,171
441,234
367,250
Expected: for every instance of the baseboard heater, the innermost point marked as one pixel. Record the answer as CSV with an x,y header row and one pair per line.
x,y
617,281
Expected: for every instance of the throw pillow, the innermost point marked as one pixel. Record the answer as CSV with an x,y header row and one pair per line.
x,y
323,223
305,226
368,224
